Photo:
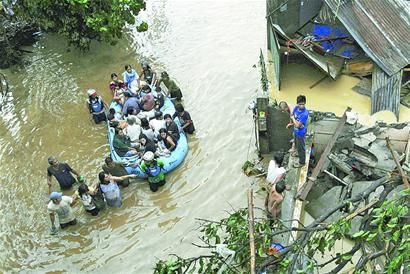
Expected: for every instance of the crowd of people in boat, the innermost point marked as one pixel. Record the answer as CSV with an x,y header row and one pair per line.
x,y
141,129
139,124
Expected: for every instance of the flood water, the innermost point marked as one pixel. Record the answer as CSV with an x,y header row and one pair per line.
x,y
210,48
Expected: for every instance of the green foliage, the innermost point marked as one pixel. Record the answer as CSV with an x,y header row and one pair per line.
x,y
81,21
264,77
388,226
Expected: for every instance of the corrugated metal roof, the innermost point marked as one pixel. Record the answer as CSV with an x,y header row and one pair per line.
x,y
380,27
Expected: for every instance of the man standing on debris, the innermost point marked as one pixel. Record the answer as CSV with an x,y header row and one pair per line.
x,y
300,116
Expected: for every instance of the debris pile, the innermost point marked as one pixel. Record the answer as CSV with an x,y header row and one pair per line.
x,y
360,156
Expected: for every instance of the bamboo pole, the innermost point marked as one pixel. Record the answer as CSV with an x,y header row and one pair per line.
x,y
251,232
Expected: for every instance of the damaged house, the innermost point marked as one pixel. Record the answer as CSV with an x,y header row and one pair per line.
x,y
363,38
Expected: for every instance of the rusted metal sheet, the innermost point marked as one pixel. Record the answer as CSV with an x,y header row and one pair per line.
x,y
380,27
385,93
333,69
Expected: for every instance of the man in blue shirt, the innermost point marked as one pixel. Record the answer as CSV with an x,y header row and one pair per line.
x,y
300,116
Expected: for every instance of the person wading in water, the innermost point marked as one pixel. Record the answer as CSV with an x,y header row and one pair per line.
x,y
62,172
154,169
62,206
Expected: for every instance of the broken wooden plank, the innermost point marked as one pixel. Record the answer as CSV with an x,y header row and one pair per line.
x,y
396,160
298,207
303,192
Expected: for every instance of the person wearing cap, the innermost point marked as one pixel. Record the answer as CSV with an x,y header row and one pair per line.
x,y
185,119
62,172
62,206
96,106
173,89
154,170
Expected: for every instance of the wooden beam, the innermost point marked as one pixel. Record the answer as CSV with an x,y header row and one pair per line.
x,y
251,232
299,205
396,160
304,190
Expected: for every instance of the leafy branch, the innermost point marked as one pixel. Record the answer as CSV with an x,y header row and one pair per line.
x,y
384,227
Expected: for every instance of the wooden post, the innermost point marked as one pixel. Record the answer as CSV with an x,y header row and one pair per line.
x,y
396,160
304,190
251,232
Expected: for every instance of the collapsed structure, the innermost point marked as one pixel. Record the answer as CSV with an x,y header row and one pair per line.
x,y
364,38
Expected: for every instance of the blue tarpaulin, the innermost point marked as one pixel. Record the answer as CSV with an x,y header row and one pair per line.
x,y
321,31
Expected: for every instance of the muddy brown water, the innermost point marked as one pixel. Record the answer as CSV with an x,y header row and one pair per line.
x,y
210,48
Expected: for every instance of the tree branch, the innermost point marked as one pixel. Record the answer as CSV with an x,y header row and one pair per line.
x,y
363,260
304,238
352,251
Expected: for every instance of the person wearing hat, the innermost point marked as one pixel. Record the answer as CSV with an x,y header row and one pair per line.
x,y
154,170
62,172
173,89
62,206
96,106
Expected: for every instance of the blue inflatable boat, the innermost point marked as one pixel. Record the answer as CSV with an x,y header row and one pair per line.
x,y
170,162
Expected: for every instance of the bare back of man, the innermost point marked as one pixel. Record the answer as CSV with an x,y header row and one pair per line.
x,y
274,199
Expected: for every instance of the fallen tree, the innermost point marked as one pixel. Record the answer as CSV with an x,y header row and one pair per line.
x,y
384,227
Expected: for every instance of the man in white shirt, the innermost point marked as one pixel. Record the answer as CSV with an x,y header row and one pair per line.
x,y
275,171
62,206
158,122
